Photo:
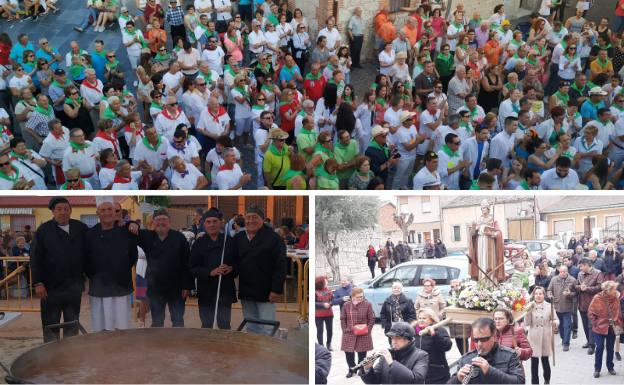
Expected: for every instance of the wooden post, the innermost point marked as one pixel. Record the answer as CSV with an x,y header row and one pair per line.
x,y
299,209
269,207
241,205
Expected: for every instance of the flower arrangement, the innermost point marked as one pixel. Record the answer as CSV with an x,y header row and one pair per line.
x,y
486,296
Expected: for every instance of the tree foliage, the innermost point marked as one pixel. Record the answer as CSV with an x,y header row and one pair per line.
x,y
158,200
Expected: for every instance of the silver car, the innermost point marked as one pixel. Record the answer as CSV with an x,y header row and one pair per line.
x,y
536,247
411,274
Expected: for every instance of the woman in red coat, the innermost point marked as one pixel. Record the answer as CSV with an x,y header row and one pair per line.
x,y
511,336
604,313
323,313
358,311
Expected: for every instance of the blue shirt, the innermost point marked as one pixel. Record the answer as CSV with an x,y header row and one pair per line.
x,y
590,110
477,168
99,63
288,74
17,52
41,54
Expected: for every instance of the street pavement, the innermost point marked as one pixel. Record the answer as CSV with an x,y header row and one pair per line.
x,y
571,367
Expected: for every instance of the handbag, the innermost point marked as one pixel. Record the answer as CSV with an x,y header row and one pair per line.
x,y
359,329
617,329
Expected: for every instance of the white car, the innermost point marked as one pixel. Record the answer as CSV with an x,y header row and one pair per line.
x,y
410,274
536,247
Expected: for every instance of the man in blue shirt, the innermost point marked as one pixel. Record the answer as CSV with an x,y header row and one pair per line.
x,y
17,51
98,60
590,107
290,72
51,55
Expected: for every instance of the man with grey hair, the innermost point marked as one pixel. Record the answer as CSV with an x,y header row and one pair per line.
x,y
308,111
561,292
355,33
92,91
459,87
48,53
81,154
125,178
453,127
230,176
111,253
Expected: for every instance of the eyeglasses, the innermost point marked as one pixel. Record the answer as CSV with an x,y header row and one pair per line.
x,y
481,339
72,180
163,50
157,96
280,140
261,99
44,43
571,47
74,93
19,69
172,104
181,141
110,56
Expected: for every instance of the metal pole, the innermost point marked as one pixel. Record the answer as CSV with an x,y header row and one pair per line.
x,y
214,321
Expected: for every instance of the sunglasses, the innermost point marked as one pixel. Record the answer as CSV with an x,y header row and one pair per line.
x,y
261,99
19,69
280,140
172,104
44,43
110,56
162,50
74,93
201,84
481,339
571,47
157,96
457,143
72,180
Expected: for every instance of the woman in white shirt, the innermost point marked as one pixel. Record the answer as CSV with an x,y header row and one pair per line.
x,y
285,31
242,102
386,59
133,40
301,43
298,19
569,64
272,39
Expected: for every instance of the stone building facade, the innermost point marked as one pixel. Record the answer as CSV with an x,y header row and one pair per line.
x,y
352,253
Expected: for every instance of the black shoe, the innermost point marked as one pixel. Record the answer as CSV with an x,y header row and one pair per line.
x,y
349,373
618,356
590,351
566,348
596,374
585,346
612,372
574,335
329,348
34,17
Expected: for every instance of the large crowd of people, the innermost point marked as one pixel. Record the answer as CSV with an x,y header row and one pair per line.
x,y
458,102
585,279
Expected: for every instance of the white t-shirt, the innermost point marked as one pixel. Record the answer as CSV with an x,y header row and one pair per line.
x,y
84,160
186,182
581,145
214,59
211,124
228,178
173,80
222,4
426,118
216,161
19,83
426,178
6,184
189,59
501,146
166,124
202,4
187,153
135,48
54,148
405,136
256,38
386,58
242,110
332,37
154,157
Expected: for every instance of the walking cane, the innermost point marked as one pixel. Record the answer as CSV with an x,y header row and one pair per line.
x,y
214,321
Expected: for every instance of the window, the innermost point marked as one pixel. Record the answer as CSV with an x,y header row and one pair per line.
x,y
425,204
456,234
612,222
19,222
407,275
439,274
89,220
436,234
533,246
453,272
420,238
395,5
386,280
411,237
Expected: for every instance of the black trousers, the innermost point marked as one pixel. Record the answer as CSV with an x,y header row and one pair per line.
x,y
55,305
329,322
351,358
535,369
224,315
371,266
587,328
355,48
177,31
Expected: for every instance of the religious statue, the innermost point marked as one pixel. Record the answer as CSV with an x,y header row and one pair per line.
x,y
485,247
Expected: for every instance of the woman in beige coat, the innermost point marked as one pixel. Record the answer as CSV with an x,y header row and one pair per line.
x,y
541,321
430,298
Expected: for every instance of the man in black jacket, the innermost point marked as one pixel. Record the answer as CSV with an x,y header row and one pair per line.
x,y
206,266
260,258
490,362
57,268
169,279
322,364
379,154
405,364
111,251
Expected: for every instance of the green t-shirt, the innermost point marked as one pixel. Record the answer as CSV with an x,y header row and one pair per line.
x,y
344,154
306,139
273,161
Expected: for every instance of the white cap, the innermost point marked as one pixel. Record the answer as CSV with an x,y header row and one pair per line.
x,y
100,200
378,130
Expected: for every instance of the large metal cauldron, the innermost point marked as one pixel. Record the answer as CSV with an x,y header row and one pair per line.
x,y
164,355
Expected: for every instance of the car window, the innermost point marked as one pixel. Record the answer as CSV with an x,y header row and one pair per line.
x,y
453,273
407,275
386,280
439,274
533,246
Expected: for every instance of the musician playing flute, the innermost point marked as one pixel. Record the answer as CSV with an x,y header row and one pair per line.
x,y
489,363
405,363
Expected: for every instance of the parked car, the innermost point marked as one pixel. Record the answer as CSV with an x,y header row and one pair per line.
x,y
418,250
551,247
411,273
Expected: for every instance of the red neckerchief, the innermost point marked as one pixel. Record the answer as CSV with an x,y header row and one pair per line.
x,y
165,113
121,179
81,185
57,137
138,132
220,113
105,136
109,166
92,86
225,167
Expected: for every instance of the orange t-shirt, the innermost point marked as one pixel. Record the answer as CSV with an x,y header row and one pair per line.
x,y
387,32
411,33
380,18
493,52
159,36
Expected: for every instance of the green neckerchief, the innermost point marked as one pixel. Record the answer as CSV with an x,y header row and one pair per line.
x,y
604,65
330,67
147,144
516,42
363,174
110,114
604,47
227,68
258,107
242,91
272,19
26,104
207,77
18,156
525,185
305,131
444,57
374,86
457,25
135,34
264,69
376,145
57,84
538,49
348,99
575,87
311,76
511,86
570,58
156,106
531,62
71,101
604,123
321,172
266,88
65,185
75,70
101,54
342,146
447,150
564,98
47,112
463,46
381,101
566,153
319,148
276,152
11,178
467,126
474,185
78,147
617,107
164,57
476,21
290,174
112,66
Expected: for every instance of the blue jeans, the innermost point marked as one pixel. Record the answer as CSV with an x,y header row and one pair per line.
x,y
619,24
85,22
259,310
565,327
176,310
600,345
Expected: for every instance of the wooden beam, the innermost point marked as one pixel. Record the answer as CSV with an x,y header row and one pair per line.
x,y
269,208
241,205
298,210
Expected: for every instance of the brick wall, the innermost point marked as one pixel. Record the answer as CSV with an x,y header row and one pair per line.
x,y
386,218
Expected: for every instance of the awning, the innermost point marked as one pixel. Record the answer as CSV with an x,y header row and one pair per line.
x,y
16,211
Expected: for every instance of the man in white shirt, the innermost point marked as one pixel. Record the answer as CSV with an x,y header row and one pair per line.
x,y
30,161
214,121
173,80
81,154
450,162
151,151
430,121
504,141
561,177
203,7
195,102
214,158
185,176
230,176
406,140
476,149
453,127
125,178
92,90
393,116
53,149
214,55
509,107
182,147
12,173
332,35
188,58
428,176
616,150
604,125
257,41
169,118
